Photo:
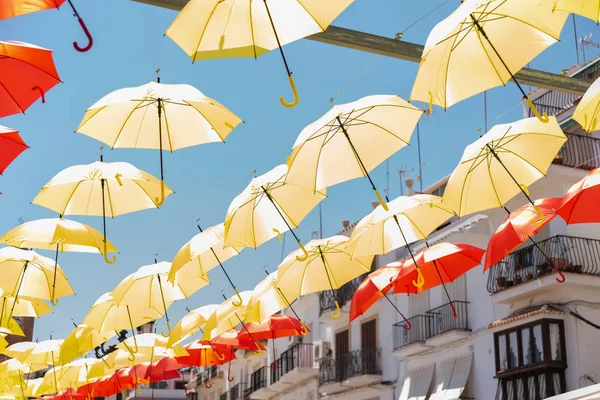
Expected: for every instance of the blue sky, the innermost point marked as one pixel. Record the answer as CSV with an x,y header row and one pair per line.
x,y
130,46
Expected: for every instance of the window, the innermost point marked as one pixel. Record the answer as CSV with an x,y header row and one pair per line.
x,y
530,361
179,385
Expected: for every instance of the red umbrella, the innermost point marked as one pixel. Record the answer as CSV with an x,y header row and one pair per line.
x,y
13,8
439,264
519,226
234,339
580,203
27,72
276,326
156,372
11,145
107,386
375,286
202,355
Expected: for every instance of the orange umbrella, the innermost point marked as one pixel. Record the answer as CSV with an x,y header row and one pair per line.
x,y
27,72
439,264
580,203
11,145
14,8
276,326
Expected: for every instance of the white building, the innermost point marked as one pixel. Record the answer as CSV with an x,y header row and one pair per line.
x,y
519,333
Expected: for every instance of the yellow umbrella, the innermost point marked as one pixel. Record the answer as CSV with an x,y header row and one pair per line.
x,y
33,388
481,45
26,273
81,340
24,307
587,8
350,140
198,256
191,323
588,109
149,287
71,375
148,342
56,234
502,163
127,118
328,267
228,28
268,207
86,190
44,352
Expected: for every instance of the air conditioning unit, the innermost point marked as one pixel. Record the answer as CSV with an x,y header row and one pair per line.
x,y
322,350
293,340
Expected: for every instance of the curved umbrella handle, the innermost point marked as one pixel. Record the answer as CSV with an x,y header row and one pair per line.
x,y
229,377
159,201
408,325
430,102
168,330
240,302
220,357
295,91
304,330
454,314
114,258
278,234
541,215
88,46
561,277
207,385
259,351
383,203
54,301
42,93
338,311
305,256
543,118
420,280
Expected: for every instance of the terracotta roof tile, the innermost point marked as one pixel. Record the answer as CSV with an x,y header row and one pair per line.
x,y
526,313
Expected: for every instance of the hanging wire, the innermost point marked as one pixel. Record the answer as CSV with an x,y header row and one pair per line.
x,y
402,32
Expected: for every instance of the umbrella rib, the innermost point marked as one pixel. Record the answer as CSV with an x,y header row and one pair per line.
x,y
169,130
196,49
523,22
385,130
112,211
70,197
139,130
125,123
251,28
501,149
88,120
323,29
471,168
203,116
489,165
488,56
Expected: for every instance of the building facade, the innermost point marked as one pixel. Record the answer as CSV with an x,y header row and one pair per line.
x,y
519,334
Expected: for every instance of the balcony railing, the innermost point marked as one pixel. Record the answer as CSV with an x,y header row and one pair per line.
x,y
343,295
419,332
223,396
236,392
580,151
443,319
355,363
301,355
258,379
553,103
569,253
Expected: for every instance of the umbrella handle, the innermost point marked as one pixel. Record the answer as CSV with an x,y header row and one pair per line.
x,y
383,203
420,280
88,46
54,302
278,234
229,377
114,258
259,351
543,118
168,330
408,325
338,311
304,330
220,357
561,278
207,385
430,102
240,302
305,256
159,201
295,91
541,214
42,93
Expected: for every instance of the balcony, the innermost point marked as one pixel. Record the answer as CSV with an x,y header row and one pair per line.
x,y
527,269
444,327
408,342
293,366
259,384
223,396
553,103
356,369
343,295
579,151
238,392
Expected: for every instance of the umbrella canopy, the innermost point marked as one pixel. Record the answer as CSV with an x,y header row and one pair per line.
x,y
275,326
100,189
13,8
268,207
268,299
11,145
25,306
585,8
148,287
408,220
72,374
481,45
226,316
27,72
439,264
329,265
350,140
375,286
580,204
36,353
81,340
518,227
503,163
203,355
191,323
588,109
229,28
232,339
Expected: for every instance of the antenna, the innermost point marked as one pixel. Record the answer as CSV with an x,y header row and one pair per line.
x,y
585,42
402,172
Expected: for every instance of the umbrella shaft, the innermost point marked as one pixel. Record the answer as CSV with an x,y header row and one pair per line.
x,y
277,39
412,256
327,273
508,172
393,305
537,246
220,264
162,175
163,299
442,281
362,166
103,209
280,213
21,278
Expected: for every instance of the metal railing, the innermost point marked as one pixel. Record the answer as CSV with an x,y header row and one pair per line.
x,y
300,355
420,330
355,363
223,396
258,379
343,295
579,151
236,391
568,253
443,319
553,103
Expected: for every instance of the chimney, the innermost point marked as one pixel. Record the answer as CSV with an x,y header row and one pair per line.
x,y
375,204
346,224
409,185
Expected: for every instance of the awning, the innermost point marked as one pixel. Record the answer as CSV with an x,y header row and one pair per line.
x,y
417,383
586,393
451,378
